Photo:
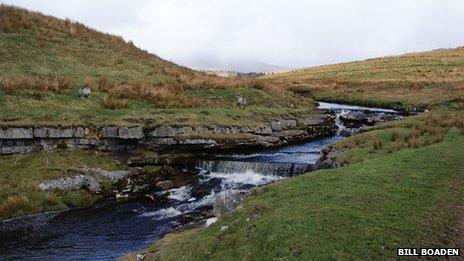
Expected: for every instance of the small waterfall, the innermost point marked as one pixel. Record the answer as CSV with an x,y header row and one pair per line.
x,y
265,168
338,121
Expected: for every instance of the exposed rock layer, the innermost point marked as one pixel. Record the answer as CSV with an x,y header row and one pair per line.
x,y
25,139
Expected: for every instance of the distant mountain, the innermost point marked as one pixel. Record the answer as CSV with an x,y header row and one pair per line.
x,y
214,63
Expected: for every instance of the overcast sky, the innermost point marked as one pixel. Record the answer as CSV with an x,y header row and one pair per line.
x,y
288,33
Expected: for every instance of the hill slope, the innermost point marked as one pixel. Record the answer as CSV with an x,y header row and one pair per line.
x,y
44,60
416,79
36,45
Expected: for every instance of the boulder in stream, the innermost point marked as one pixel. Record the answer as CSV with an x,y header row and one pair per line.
x,y
227,201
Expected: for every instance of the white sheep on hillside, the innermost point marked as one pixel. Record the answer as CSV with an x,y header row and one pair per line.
x,y
241,102
84,92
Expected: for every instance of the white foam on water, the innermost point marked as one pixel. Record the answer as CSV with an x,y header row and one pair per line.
x,y
249,177
244,156
180,194
229,181
162,213
339,122
206,200
335,106
211,221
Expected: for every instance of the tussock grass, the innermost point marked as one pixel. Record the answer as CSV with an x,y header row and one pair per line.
x,y
395,134
15,204
113,104
105,84
90,83
450,118
51,84
388,138
159,95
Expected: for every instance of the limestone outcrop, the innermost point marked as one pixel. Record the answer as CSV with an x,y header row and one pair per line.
x,y
26,139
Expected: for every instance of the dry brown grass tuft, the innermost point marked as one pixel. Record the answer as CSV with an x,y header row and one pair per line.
x,y
17,203
377,143
5,25
395,134
90,82
52,84
412,141
106,84
11,19
448,120
422,135
272,88
161,95
113,104
51,199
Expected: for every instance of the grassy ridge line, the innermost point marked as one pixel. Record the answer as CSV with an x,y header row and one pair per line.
x,y
422,79
362,211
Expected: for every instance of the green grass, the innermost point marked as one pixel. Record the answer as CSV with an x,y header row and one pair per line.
x,y
20,176
363,211
422,79
43,50
383,139
68,108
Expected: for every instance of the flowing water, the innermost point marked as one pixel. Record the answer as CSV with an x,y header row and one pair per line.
x,y
109,231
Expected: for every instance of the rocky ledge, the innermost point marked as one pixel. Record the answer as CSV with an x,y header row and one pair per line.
x,y
357,119
328,159
25,139
89,178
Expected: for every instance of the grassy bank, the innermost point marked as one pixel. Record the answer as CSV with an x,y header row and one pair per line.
x,y
364,211
420,79
68,108
413,132
20,176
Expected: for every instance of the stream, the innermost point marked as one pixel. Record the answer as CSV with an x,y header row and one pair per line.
x,y
109,231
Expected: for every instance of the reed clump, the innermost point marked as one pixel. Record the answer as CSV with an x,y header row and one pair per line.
x,y
17,203
114,104
56,84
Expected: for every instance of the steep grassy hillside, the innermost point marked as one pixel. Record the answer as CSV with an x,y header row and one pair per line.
x,y
417,79
44,61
